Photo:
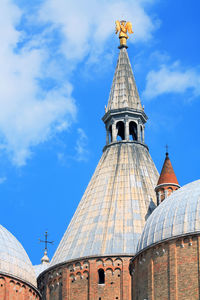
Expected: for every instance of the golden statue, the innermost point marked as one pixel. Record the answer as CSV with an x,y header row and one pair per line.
x,y
122,27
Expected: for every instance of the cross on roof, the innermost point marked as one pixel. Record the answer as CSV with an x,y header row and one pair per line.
x,y
46,242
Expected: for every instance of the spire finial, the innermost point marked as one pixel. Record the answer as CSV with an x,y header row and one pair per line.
x,y
122,27
45,258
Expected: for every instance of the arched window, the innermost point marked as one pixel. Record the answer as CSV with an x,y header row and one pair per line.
x,y
120,131
162,192
141,134
133,131
170,191
101,276
110,134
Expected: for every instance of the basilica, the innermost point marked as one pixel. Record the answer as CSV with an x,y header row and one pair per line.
x,y
135,234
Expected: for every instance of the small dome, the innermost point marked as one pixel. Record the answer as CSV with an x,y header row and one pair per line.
x,y
14,260
41,268
177,215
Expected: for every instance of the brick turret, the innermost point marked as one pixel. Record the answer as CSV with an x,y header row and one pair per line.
x,y
167,182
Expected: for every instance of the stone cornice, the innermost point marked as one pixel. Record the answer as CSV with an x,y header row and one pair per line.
x,y
126,110
125,142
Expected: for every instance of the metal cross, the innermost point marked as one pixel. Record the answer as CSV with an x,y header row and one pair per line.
x,y
46,240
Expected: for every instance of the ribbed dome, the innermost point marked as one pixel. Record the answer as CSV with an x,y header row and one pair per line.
x,y
177,215
111,215
14,260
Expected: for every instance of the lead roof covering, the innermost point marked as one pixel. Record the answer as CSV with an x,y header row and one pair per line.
x,y
14,260
179,214
124,91
112,212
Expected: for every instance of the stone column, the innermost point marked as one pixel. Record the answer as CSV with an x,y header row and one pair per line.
x,y
126,129
138,132
158,194
143,133
114,132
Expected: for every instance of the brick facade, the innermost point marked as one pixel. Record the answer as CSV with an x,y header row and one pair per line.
x,y
13,289
79,279
165,190
169,270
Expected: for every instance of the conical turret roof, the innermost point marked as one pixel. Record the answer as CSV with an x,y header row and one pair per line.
x,y
124,91
167,174
111,215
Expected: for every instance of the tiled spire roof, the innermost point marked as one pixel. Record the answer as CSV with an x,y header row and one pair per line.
x,y
167,174
124,91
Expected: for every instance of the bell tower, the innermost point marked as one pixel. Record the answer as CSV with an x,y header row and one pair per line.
x,y
124,115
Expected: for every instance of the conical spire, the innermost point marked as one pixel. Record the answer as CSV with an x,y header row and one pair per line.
x,y
167,174
124,92
114,207
167,182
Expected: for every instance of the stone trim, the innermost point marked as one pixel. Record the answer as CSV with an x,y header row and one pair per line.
x,y
166,240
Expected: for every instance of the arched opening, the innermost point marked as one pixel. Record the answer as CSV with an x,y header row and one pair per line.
x,y
101,276
110,134
133,131
170,191
141,134
162,193
120,131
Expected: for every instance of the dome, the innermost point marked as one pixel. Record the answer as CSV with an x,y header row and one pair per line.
x,y
14,260
177,215
41,268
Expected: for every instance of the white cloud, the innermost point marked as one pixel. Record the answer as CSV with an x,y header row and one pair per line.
x,y
87,25
81,146
29,115
80,152
172,79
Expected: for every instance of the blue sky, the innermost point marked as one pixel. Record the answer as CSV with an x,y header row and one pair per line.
x,y
57,63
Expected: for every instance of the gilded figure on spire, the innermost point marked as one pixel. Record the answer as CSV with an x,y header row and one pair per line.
x,y
122,27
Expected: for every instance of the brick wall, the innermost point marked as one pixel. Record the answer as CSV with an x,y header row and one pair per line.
x,y
12,289
169,270
164,191
79,279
